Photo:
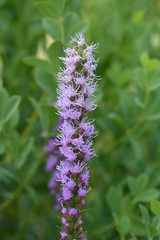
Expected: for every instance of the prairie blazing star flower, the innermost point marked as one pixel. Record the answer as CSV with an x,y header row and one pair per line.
x,y
77,84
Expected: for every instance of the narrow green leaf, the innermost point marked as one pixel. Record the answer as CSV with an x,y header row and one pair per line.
x,y
148,195
13,121
154,117
11,106
38,110
26,149
14,142
144,213
4,172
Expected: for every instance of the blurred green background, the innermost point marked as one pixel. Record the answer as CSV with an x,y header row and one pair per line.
x,y
125,175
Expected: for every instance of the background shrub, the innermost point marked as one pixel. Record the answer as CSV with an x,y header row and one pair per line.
x,y
123,203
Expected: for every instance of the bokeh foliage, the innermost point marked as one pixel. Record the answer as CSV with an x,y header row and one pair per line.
x,y
123,203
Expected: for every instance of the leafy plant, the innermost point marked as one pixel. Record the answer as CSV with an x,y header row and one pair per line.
x,y
124,201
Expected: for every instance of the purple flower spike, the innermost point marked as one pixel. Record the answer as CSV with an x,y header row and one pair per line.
x,y
77,84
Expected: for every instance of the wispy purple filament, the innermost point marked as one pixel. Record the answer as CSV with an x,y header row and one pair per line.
x,y
75,99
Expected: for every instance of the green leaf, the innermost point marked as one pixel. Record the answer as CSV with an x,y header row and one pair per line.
x,y
26,149
32,193
13,121
3,2
37,108
31,234
125,225
51,117
14,142
114,198
4,172
138,102
117,119
46,82
152,230
137,226
153,117
155,221
11,106
55,9
131,183
154,82
38,63
72,25
144,213
144,58
153,65
54,52
149,65
155,207
133,237
141,183
53,28
47,9
138,16
69,21
46,114
119,75
148,195
68,5
81,27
